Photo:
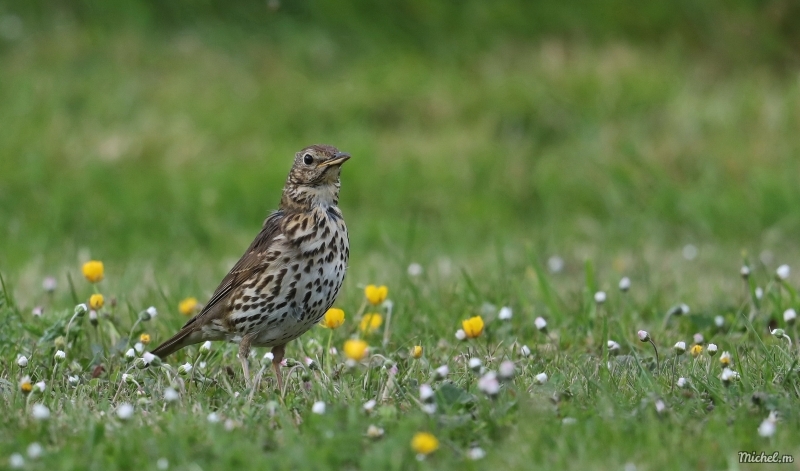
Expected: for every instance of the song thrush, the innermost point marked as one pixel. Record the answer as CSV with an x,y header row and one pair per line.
x,y
291,273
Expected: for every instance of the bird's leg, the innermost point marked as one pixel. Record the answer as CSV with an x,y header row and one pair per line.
x,y
277,353
244,352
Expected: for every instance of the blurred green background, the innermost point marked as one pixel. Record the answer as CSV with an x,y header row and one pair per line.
x,y
162,131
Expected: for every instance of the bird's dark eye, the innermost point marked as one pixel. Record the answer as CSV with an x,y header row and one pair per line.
x,y
307,159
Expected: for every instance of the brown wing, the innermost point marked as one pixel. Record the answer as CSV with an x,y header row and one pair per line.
x,y
252,260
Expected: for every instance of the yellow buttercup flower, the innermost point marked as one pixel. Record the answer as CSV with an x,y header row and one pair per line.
x,y
188,306
376,294
473,327
25,385
333,318
370,322
696,350
93,271
355,349
424,443
96,301
144,338
416,351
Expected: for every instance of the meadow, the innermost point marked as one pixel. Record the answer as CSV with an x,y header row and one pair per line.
x,y
519,180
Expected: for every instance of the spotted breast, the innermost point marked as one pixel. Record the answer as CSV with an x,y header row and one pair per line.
x,y
304,270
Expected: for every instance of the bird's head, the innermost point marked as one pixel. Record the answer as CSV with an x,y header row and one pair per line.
x,y
317,165
314,178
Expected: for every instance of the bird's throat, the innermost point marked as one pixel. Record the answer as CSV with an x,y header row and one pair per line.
x,y
306,197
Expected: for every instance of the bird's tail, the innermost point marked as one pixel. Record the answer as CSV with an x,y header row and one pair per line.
x,y
182,339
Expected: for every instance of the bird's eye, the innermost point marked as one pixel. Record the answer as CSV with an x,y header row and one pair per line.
x,y
307,159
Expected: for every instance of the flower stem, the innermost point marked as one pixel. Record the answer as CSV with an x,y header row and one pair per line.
x,y
674,362
604,342
658,368
386,330
53,376
327,348
194,367
66,335
133,328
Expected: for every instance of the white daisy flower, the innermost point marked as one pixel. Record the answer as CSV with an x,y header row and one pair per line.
x,y
318,408
40,412
600,297
624,284
489,384
35,451
125,411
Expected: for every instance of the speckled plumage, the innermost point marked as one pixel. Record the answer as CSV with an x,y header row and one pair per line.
x,y
291,273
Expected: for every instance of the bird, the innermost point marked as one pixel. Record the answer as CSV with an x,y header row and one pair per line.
x,y
291,273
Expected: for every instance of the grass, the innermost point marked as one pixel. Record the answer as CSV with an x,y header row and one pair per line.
x,y
526,424
161,155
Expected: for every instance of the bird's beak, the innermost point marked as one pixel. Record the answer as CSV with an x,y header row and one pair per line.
x,y
338,159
